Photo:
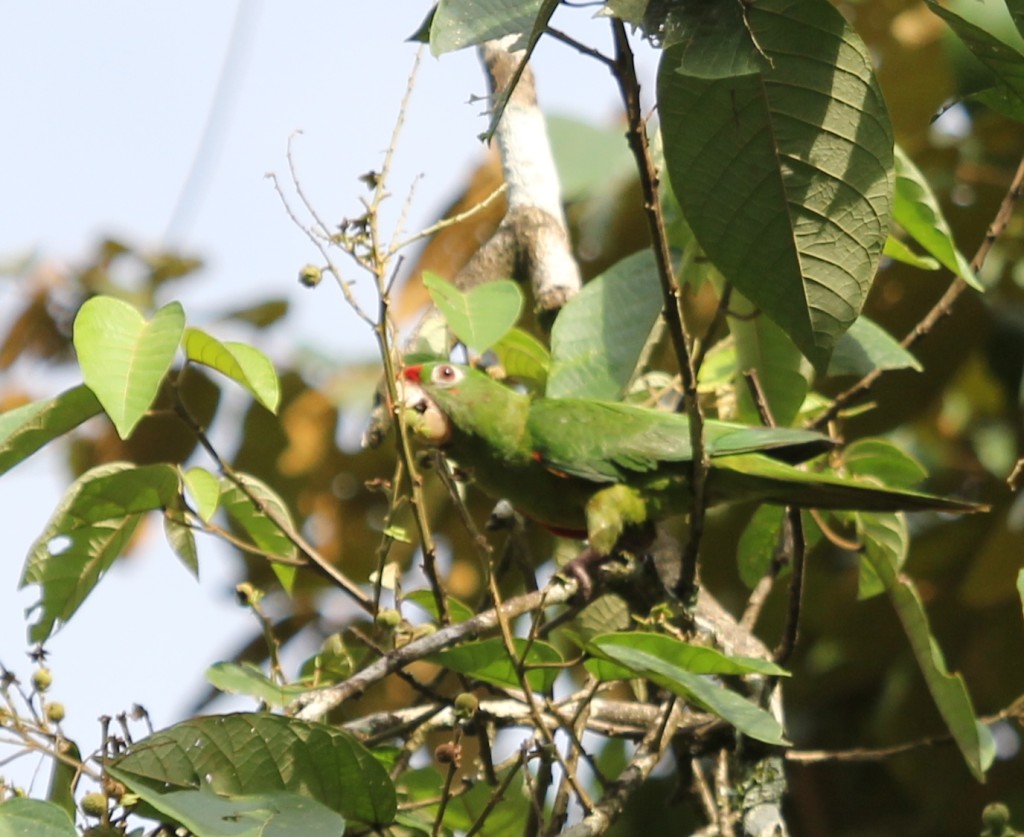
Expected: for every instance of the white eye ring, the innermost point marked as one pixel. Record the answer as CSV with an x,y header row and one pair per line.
x,y
445,374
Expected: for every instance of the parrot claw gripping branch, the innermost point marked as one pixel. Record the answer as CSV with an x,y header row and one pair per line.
x,y
608,471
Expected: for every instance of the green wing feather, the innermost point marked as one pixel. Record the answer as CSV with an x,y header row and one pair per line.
x,y
606,442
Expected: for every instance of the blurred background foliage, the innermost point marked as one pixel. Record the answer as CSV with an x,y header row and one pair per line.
x,y
857,684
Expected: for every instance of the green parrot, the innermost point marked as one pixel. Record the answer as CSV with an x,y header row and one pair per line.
x,y
599,469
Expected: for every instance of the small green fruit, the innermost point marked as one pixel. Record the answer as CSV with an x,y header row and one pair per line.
x,y
388,618
42,679
466,705
94,804
55,712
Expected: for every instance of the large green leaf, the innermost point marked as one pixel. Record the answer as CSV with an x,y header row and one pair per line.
x,y
599,336
89,529
916,209
683,669
123,357
24,430
249,754
785,175
20,817
244,364
481,316
948,690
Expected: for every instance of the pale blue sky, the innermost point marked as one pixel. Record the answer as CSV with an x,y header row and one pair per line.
x,y
104,105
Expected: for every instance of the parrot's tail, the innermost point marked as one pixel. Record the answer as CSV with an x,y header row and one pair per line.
x,y
759,478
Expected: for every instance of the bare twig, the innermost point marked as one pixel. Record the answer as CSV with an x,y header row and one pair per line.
x,y
624,72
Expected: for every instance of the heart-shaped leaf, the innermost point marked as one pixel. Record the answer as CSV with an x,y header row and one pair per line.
x,y
481,316
123,357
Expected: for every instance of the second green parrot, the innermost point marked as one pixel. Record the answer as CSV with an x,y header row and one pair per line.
x,y
598,469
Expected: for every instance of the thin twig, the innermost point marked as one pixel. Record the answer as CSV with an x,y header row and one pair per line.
x,y
305,548
624,71
450,220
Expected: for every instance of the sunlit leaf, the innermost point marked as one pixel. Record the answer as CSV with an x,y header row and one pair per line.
x,y
916,209
204,489
238,361
481,316
123,357
897,250
181,540
24,430
785,175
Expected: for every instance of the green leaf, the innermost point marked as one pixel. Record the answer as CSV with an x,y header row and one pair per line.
x,y
123,357
21,817
916,209
588,157
90,527
599,336
650,657
757,544
523,357
264,533
897,250
786,175
659,651
247,679
886,539
204,488
782,371
867,347
883,461
274,814
461,23
181,539
481,316
424,599
948,690
24,430
248,754
488,660
238,361
1002,58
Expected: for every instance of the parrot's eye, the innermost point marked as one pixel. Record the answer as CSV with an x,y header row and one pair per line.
x,y
446,374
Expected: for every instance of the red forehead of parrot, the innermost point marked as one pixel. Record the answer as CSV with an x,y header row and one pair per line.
x,y
412,373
